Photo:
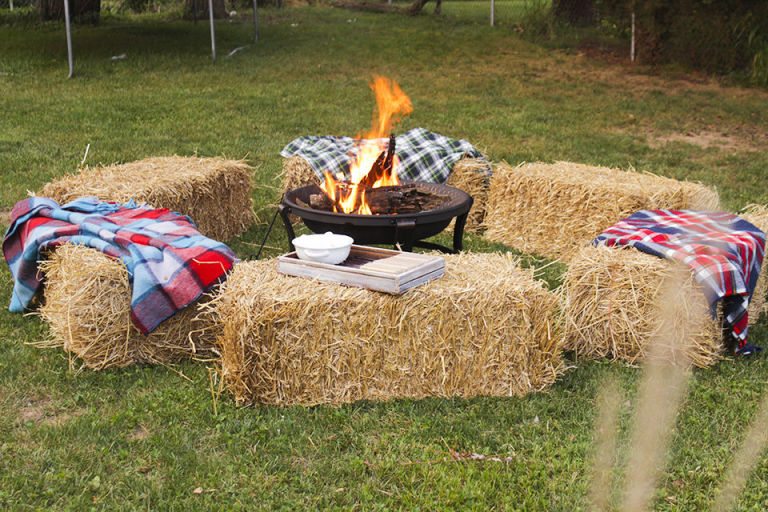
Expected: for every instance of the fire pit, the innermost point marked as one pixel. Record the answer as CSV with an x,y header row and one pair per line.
x,y
407,229
369,203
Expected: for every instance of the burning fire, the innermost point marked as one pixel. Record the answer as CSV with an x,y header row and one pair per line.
x,y
375,164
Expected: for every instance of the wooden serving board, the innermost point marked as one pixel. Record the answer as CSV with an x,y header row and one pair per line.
x,y
377,269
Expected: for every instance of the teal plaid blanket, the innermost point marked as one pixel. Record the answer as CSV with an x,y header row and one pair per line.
x,y
424,155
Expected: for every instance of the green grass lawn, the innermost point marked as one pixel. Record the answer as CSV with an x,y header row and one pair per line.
x,y
146,438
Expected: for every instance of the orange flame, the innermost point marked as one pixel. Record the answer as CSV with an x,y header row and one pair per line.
x,y
392,104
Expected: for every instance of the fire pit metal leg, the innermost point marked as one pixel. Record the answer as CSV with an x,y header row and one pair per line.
x,y
409,228
458,232
285,214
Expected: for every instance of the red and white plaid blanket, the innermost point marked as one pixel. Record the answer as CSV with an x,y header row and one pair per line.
x,y
169,262
724,252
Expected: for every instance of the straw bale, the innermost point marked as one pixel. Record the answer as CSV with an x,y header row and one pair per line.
x,y
214,192
87,307
297,173
472,175
486,328
758,215
613,303
555,209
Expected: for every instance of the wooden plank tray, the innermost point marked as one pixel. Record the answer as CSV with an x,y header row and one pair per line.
x,y
383,270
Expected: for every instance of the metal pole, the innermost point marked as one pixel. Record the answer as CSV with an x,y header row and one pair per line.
x,y
632,44
493,12
213,30
67,25
255,22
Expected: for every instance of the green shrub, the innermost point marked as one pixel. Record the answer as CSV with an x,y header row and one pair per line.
x,y
719,36
758,72
537,20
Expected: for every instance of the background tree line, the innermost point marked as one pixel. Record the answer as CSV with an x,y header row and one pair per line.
x,y
719,36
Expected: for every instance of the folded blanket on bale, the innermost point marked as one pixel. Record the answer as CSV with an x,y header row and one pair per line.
x,y
724,252
169,262
424,155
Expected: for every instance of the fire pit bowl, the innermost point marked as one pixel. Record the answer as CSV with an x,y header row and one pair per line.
x,y
407,229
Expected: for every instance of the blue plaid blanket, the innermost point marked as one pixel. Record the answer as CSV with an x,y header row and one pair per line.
x,y
424,155
724,252
169,262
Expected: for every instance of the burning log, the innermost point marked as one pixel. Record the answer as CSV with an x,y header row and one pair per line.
x,y
383,167
402,199
387,200
370,167
376,171
389,162
320,202
350,197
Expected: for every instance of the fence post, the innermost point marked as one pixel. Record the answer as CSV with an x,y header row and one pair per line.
x,y
255,22
493,13
213,30
68,28
632,44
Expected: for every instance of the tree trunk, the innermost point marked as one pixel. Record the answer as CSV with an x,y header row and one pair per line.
x,y
198,9
574,12
81,11
418,5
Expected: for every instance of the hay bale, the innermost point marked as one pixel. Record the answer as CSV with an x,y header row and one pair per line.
x,y
758,215
214,192
88,304
613,303
469,174
555,209
297,173
486,328
473,176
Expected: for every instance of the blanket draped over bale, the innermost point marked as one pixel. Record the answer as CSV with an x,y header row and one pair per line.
x,y
613,301
469,175
88,309
555,209
758,216
214,192
486,328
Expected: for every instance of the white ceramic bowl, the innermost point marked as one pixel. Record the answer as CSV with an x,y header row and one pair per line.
x,y
326,248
